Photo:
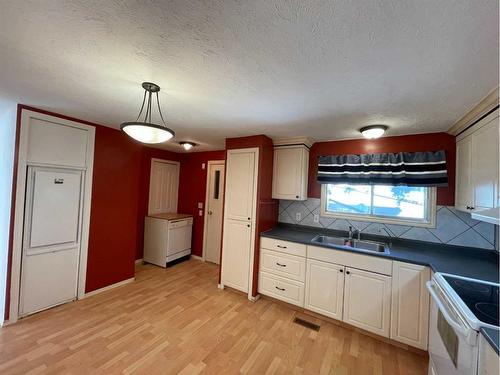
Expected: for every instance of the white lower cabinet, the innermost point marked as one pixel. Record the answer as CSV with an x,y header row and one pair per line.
x,y
489,363
281,288
410,304
324,288
379,295
367,301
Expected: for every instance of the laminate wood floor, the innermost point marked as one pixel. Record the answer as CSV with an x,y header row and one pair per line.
x,y
176,321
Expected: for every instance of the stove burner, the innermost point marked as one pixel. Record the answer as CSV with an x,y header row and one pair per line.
x,y
473,287
488,309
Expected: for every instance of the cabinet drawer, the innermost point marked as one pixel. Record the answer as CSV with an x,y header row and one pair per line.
x,y
287,247
280,288
350,259
284,265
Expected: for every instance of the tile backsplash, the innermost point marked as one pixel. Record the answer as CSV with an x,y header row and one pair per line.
x,y
452,227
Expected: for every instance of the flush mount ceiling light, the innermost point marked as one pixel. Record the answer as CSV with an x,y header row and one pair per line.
x,y
373,131
187,145
145,131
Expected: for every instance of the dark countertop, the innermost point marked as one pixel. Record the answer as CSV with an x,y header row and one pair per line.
x,y
491,335
457,260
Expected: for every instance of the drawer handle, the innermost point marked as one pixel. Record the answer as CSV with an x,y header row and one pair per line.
x,y
281,247
281,265
282,289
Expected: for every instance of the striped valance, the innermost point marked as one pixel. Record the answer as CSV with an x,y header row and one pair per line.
x,y
403,168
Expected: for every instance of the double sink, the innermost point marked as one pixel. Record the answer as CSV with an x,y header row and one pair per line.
x,y
347,243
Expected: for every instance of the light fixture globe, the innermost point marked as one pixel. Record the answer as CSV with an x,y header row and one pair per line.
x,y
145,131
373,131
187,145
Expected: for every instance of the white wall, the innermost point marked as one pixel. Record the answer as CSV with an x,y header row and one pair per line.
x,y
7,142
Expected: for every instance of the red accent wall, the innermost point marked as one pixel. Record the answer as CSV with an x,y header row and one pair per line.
x,y
405,143
120,189
267,208
192,189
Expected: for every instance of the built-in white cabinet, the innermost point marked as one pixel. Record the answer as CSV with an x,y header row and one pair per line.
x,y
489,362
239,218
367,301
376,294
290,172
477,169
410,304
325,288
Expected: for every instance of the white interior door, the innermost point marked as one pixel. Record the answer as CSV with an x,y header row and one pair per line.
x,y
51,245
163,186
213,212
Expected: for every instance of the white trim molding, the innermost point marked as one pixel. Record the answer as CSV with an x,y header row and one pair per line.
x,y
196,257
139,261
109,287
19,204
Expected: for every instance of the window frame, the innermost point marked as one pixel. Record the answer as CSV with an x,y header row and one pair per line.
x,y
430,214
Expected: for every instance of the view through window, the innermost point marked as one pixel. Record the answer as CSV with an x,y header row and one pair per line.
x,y
400,202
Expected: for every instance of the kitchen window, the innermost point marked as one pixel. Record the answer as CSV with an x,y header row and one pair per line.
x,y
406,205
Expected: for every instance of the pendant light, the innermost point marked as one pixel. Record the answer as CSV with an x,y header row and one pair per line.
x,y
373,131
145,131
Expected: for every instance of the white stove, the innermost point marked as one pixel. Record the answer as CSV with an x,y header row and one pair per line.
x,y
460,306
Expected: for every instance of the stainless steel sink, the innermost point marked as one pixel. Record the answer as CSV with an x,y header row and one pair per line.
x,y
341,242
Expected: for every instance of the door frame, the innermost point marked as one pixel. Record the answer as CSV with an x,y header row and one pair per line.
x,y
205,219
20,198
153,160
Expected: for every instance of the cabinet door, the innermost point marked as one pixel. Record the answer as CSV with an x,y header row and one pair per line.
x,y
236,254
463,187
367,301
324,288
290,173
410,304
488,359
240,181
485,166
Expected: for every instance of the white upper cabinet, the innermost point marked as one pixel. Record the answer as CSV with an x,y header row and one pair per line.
x,y
410,304
477,177
240,185
290,169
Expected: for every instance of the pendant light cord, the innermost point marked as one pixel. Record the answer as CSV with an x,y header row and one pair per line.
x,y
148,108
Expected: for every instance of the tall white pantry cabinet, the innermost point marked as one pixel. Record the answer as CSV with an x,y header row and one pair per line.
x,y
238,242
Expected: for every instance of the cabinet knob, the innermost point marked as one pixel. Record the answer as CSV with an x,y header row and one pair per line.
x,y
347,272
297,196
248,225
341,271
282,289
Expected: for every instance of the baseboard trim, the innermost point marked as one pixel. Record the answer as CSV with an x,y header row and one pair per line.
x,y
197,257
109,287
139,261
254,298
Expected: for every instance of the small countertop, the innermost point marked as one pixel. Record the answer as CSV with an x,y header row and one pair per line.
x,y
456,260
492,336
170,216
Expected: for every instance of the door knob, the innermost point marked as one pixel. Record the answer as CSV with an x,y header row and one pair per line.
x,y
210,212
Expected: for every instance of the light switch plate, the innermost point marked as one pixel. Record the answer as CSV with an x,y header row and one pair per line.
x,y
200,204
202,165
298,216
316,218
200,212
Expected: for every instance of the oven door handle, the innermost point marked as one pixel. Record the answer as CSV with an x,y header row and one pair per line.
x,y
461,330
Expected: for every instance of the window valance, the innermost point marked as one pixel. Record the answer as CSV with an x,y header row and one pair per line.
x,y
403,168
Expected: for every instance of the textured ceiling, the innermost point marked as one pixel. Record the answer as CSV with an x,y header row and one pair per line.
x,y
229,68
